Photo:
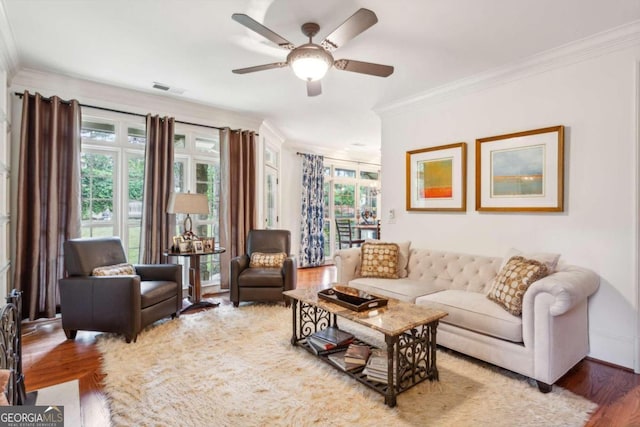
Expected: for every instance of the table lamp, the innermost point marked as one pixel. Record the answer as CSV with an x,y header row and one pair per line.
x,y
188,203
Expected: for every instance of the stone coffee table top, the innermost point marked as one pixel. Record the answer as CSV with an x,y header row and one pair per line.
x,y
392,320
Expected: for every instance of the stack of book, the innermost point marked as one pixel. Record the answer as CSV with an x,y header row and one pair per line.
x,y
329,340
354,357
376,369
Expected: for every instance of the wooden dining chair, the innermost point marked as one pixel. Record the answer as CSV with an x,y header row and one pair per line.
x,y
344,232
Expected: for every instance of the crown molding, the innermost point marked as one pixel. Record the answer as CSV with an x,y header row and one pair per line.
x,y
8,52
580,50
273,131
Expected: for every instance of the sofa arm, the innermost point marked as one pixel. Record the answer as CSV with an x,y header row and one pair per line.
x,y
237,266
569,286
168,272
347,262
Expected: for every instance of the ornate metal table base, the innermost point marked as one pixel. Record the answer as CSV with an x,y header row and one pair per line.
x,y
411,355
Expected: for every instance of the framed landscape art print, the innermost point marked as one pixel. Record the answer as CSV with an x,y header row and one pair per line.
x,y
521,172
436,178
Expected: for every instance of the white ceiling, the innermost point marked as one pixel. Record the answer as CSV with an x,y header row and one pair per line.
x,y
194,45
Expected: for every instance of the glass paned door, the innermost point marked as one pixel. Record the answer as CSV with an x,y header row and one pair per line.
x,y
208,182
270,198
98,175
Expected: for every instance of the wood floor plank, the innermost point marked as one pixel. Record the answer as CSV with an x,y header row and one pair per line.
x,y
49,359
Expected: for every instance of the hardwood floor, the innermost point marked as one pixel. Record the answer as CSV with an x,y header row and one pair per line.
x,y
49,358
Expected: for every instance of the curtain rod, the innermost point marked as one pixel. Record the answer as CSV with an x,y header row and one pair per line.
x,y
21,95
342,160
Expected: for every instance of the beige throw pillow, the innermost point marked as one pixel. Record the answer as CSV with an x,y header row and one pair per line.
x,y
549,259
267,260
123,269
379,260
403,256
512,282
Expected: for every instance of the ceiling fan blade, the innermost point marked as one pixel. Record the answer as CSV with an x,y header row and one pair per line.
x,y
364,67
259,68
314,88
354,25
254,25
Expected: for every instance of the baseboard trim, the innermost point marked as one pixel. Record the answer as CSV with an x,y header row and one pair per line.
x,y
612,365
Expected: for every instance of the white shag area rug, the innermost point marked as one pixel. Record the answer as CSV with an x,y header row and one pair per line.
x,y
236,367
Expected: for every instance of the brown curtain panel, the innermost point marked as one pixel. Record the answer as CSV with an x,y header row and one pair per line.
x,y
48,195
238,213
158,226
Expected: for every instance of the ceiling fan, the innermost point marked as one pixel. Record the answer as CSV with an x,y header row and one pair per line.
x,y
311,61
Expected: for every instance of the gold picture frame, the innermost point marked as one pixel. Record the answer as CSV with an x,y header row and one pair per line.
x,y
521,172
437,178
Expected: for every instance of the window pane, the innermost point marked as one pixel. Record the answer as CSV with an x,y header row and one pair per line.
x,y
98,231
134,243
349,173
369,175
136,181
326,231
270,157
179,141
97,180
136,135
327,171
178,176
207,145
344,200
97,131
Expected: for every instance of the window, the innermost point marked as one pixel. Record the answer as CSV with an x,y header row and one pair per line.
x,y
112,174
112,179
271,187
349,193
197,169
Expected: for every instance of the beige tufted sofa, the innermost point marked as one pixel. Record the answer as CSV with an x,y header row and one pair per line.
x,y
548,339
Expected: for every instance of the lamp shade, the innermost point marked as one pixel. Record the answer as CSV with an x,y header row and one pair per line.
x,y
188,203
310,62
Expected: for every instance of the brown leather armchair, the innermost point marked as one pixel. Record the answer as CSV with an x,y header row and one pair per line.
x,y
263,284
120,304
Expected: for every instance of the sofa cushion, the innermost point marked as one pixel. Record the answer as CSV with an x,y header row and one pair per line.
x,y
402,289
473,311
513,281
379,260
267,260
123,269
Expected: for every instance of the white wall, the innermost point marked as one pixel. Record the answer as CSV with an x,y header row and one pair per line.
x,y
5,173
595,99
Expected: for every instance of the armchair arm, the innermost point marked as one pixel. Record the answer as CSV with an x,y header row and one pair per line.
x,y
347,263
103,303
238,264
168,272
290,273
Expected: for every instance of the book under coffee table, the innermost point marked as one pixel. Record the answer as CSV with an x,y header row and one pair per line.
x,y
409,332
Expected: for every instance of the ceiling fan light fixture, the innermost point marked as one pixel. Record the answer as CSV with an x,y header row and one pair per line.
x,y
310,62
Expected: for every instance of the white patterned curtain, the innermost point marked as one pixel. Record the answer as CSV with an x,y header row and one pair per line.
x,y
312,217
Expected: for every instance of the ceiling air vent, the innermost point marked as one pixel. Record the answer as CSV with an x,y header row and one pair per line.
x,y
160,86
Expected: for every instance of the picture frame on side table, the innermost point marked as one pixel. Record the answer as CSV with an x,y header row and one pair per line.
x,y
208,244
437,178
521,172
198,247
185,247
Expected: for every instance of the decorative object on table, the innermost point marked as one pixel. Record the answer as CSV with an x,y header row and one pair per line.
x,y
353,299
521,172
208,243
188,203
437,178
184,247
357,354
198,247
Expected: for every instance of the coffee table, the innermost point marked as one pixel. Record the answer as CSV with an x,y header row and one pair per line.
x,y
409,332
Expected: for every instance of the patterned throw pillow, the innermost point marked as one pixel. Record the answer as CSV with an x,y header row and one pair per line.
x,y
267,260
114,270
513,281
379,260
